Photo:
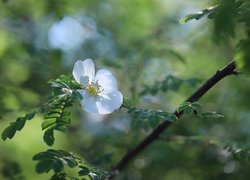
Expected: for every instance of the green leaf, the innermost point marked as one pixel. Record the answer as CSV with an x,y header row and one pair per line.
x,y
196,105
57,166
212,115
70,162
65,120
55,152
183,106
44,165
56,159
54,110
9,132
172,117
18,125
61,127
64,82
154,117
188,107
30,116
93,176
47,123
84,171
126,103
42,156
55,115
154,121
60,176
48,137
20,122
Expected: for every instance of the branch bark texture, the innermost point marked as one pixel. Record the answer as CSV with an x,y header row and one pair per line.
x,y
219,75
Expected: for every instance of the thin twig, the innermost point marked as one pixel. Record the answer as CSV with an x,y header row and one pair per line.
x,y
220,74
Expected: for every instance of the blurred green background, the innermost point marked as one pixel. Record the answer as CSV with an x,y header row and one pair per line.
x,y
141,42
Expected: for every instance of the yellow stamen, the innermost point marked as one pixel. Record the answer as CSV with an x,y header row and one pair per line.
x,y
93,88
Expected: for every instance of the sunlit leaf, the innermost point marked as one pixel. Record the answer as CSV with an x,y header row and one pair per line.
x,y
48,123
198,15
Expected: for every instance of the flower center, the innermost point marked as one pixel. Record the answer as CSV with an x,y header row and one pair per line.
x,y
94,88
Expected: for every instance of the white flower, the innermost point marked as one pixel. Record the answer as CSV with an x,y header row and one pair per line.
x,y
99,92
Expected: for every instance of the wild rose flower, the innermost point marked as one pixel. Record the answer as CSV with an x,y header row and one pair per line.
x,y
99,92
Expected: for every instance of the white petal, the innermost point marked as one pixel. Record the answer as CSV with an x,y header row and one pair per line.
x,y
82,69
84,80
88,102
106,80
107,103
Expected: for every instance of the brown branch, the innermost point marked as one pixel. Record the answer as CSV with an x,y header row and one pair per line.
x,y
220,74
